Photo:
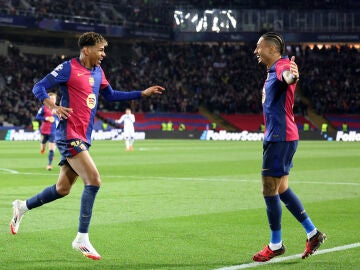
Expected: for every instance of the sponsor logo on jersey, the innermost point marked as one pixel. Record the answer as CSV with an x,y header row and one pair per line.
x,y
91,81
58,68
91,101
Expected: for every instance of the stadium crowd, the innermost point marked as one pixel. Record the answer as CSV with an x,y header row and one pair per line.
x,y
113,12
145,12
223,77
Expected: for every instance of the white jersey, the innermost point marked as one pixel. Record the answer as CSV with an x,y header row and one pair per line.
x,y
128,120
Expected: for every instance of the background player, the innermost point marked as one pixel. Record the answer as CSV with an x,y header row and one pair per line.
x,y
81,80
47,130
280,143
129,132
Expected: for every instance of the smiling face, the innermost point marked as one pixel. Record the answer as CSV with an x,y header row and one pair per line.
x,y
95,54
266,52
92,49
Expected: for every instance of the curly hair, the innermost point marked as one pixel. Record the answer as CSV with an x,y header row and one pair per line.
x,y
91,39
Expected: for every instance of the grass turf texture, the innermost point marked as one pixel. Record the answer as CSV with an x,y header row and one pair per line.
x,y
174,204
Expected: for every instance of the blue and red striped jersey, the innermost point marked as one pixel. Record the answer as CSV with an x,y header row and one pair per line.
x,y
47,126
278,102
79,88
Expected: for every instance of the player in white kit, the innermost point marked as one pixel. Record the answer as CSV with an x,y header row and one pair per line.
x,y
128,120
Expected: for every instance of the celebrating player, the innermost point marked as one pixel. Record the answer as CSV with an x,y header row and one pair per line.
x,y
81,80
47,130
129,132
280,143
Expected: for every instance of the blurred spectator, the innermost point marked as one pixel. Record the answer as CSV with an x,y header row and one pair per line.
x,y
221,77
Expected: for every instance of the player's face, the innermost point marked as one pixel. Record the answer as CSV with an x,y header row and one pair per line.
x,y
96,54
263,52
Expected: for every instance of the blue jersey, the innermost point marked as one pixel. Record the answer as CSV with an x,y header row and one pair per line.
x,y
278,103
80,88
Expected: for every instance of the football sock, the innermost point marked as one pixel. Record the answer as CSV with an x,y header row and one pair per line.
x,y
274,213
51,156
296,208
82,237
127,143
309,227
87,203
312,233
49,194
275,246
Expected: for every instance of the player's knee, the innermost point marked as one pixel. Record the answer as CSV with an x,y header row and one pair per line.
x,y
63,190
270,185
94,180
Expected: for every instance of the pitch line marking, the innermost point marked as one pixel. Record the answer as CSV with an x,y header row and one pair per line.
x,y
281,259
4,171
9,171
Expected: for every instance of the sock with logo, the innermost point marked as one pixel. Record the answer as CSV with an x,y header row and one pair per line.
x,y
274,213
51,156
87,203
296,208
49,194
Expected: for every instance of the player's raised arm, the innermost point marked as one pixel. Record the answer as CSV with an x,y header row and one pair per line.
x,y
291,76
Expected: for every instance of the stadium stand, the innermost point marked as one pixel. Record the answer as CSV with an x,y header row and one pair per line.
x,y
223,77
337,120
253,122
154,121
192,80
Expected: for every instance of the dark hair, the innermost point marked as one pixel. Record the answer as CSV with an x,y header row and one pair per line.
x,y
277,39
90,39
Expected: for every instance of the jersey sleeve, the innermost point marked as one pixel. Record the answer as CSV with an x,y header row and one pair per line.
x,y
40,114
281,66
104,82
59,75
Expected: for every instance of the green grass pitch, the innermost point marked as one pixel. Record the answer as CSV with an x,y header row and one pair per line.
x,y
180,204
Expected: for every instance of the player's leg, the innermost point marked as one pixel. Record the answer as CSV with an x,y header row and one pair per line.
x,y
51,155
85,167
66,179
127,140
294,205
43,140
274,213
314,237
272,177
131,140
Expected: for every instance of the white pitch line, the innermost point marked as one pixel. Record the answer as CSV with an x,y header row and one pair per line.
x,y
234,180
281,259
9,171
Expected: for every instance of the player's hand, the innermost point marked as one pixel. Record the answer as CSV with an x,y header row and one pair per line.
x,y
62,112
294,68
152,90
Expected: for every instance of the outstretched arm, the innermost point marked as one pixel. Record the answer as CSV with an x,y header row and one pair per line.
x,y
152,90
115,95
291,76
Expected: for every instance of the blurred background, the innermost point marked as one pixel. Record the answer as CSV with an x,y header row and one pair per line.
x,y
200,51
